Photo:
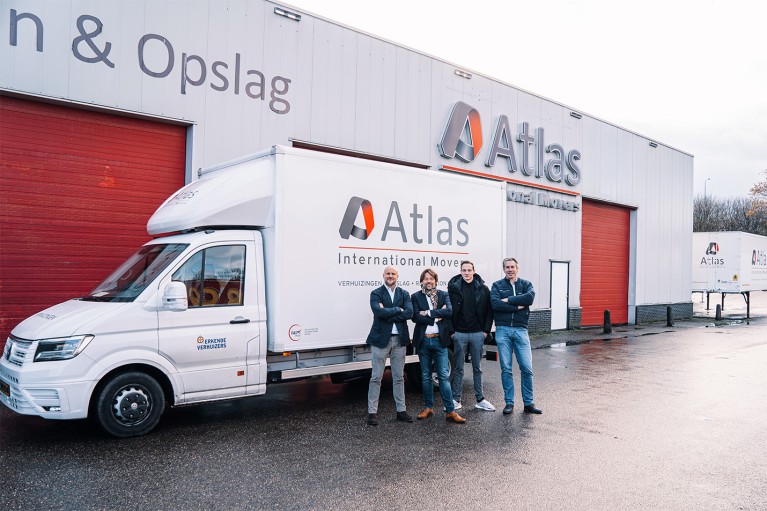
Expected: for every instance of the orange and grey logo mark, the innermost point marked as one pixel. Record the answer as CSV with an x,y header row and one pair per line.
x,y
463,135
712,249
347,224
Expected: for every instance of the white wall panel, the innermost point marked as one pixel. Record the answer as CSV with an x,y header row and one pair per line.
x,y
639,187
366,90
55,66
128,92
608,160
326,62
446,91
220,48
591,161
378,64
624,168
291,57
412,113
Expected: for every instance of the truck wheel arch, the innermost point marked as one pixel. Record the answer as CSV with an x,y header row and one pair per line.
x,y
154,372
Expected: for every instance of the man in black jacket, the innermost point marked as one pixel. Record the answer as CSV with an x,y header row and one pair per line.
x,y
472,321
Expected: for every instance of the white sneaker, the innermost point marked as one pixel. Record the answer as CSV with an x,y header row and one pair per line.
x,y
456,405
485,405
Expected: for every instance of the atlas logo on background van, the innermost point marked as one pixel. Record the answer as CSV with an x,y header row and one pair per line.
x,y
709,260
418,226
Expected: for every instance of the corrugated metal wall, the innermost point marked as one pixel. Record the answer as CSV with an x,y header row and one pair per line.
x,y
352,90
76,189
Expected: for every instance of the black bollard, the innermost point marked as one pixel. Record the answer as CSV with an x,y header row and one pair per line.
x,y
608,324
669,316
718,312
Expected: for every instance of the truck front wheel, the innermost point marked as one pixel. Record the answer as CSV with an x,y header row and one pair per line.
x,y
130,404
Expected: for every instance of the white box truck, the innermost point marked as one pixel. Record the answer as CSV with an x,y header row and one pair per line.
x,y
729,262
261,272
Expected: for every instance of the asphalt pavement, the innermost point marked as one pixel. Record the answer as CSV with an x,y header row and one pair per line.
x,y
650,418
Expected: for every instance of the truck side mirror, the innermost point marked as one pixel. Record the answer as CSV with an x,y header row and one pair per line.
x,y
174,297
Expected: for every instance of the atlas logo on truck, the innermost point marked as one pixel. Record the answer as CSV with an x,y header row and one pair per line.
x,y
444,231
347,224
759,258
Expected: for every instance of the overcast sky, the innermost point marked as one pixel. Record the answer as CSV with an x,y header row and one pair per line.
x,y
690,74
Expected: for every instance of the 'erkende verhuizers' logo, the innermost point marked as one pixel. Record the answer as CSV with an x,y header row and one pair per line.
x,y
463,134
347,224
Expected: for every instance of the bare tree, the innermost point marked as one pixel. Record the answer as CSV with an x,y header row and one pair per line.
x,y
759,196
711,214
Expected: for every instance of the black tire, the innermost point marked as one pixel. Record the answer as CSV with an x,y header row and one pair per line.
x,y
130,404
413,376
351,376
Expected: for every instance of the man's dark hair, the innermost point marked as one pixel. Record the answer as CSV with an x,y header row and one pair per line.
x,y
430,272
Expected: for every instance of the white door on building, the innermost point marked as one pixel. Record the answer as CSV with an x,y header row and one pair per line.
x,y
560,277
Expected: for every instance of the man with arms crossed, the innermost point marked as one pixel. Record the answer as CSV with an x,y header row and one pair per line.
x,y
431,338
472,321
511,298
388,338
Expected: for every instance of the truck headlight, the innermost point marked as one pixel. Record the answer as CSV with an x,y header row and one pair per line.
x,y
62,348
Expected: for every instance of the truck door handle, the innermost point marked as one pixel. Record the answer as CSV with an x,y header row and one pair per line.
x,y
238,320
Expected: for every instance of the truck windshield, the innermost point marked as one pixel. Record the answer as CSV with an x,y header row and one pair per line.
x,y
135,274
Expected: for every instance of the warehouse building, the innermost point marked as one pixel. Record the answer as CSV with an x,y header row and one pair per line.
x,y
106,108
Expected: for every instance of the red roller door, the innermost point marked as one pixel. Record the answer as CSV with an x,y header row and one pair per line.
x,y
77,188
604,263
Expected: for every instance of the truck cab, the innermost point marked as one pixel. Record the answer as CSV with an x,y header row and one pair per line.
x,y
144,327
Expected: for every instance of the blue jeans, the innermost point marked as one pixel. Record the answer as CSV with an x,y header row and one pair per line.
x,y
473,342
431,350
508,339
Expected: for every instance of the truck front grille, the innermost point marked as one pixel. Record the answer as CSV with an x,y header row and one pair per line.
x,y
18,351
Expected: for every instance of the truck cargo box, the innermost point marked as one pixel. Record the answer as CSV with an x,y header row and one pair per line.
x,y
729,262
331,224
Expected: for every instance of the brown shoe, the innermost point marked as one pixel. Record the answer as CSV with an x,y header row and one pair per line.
x,y
454,417
425,414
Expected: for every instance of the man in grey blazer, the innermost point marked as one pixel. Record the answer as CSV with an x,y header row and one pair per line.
x,y
388,338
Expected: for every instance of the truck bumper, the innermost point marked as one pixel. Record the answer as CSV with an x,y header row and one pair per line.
x,y
30,396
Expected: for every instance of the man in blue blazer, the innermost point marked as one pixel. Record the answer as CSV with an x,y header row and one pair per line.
x,y
431,338
388,338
